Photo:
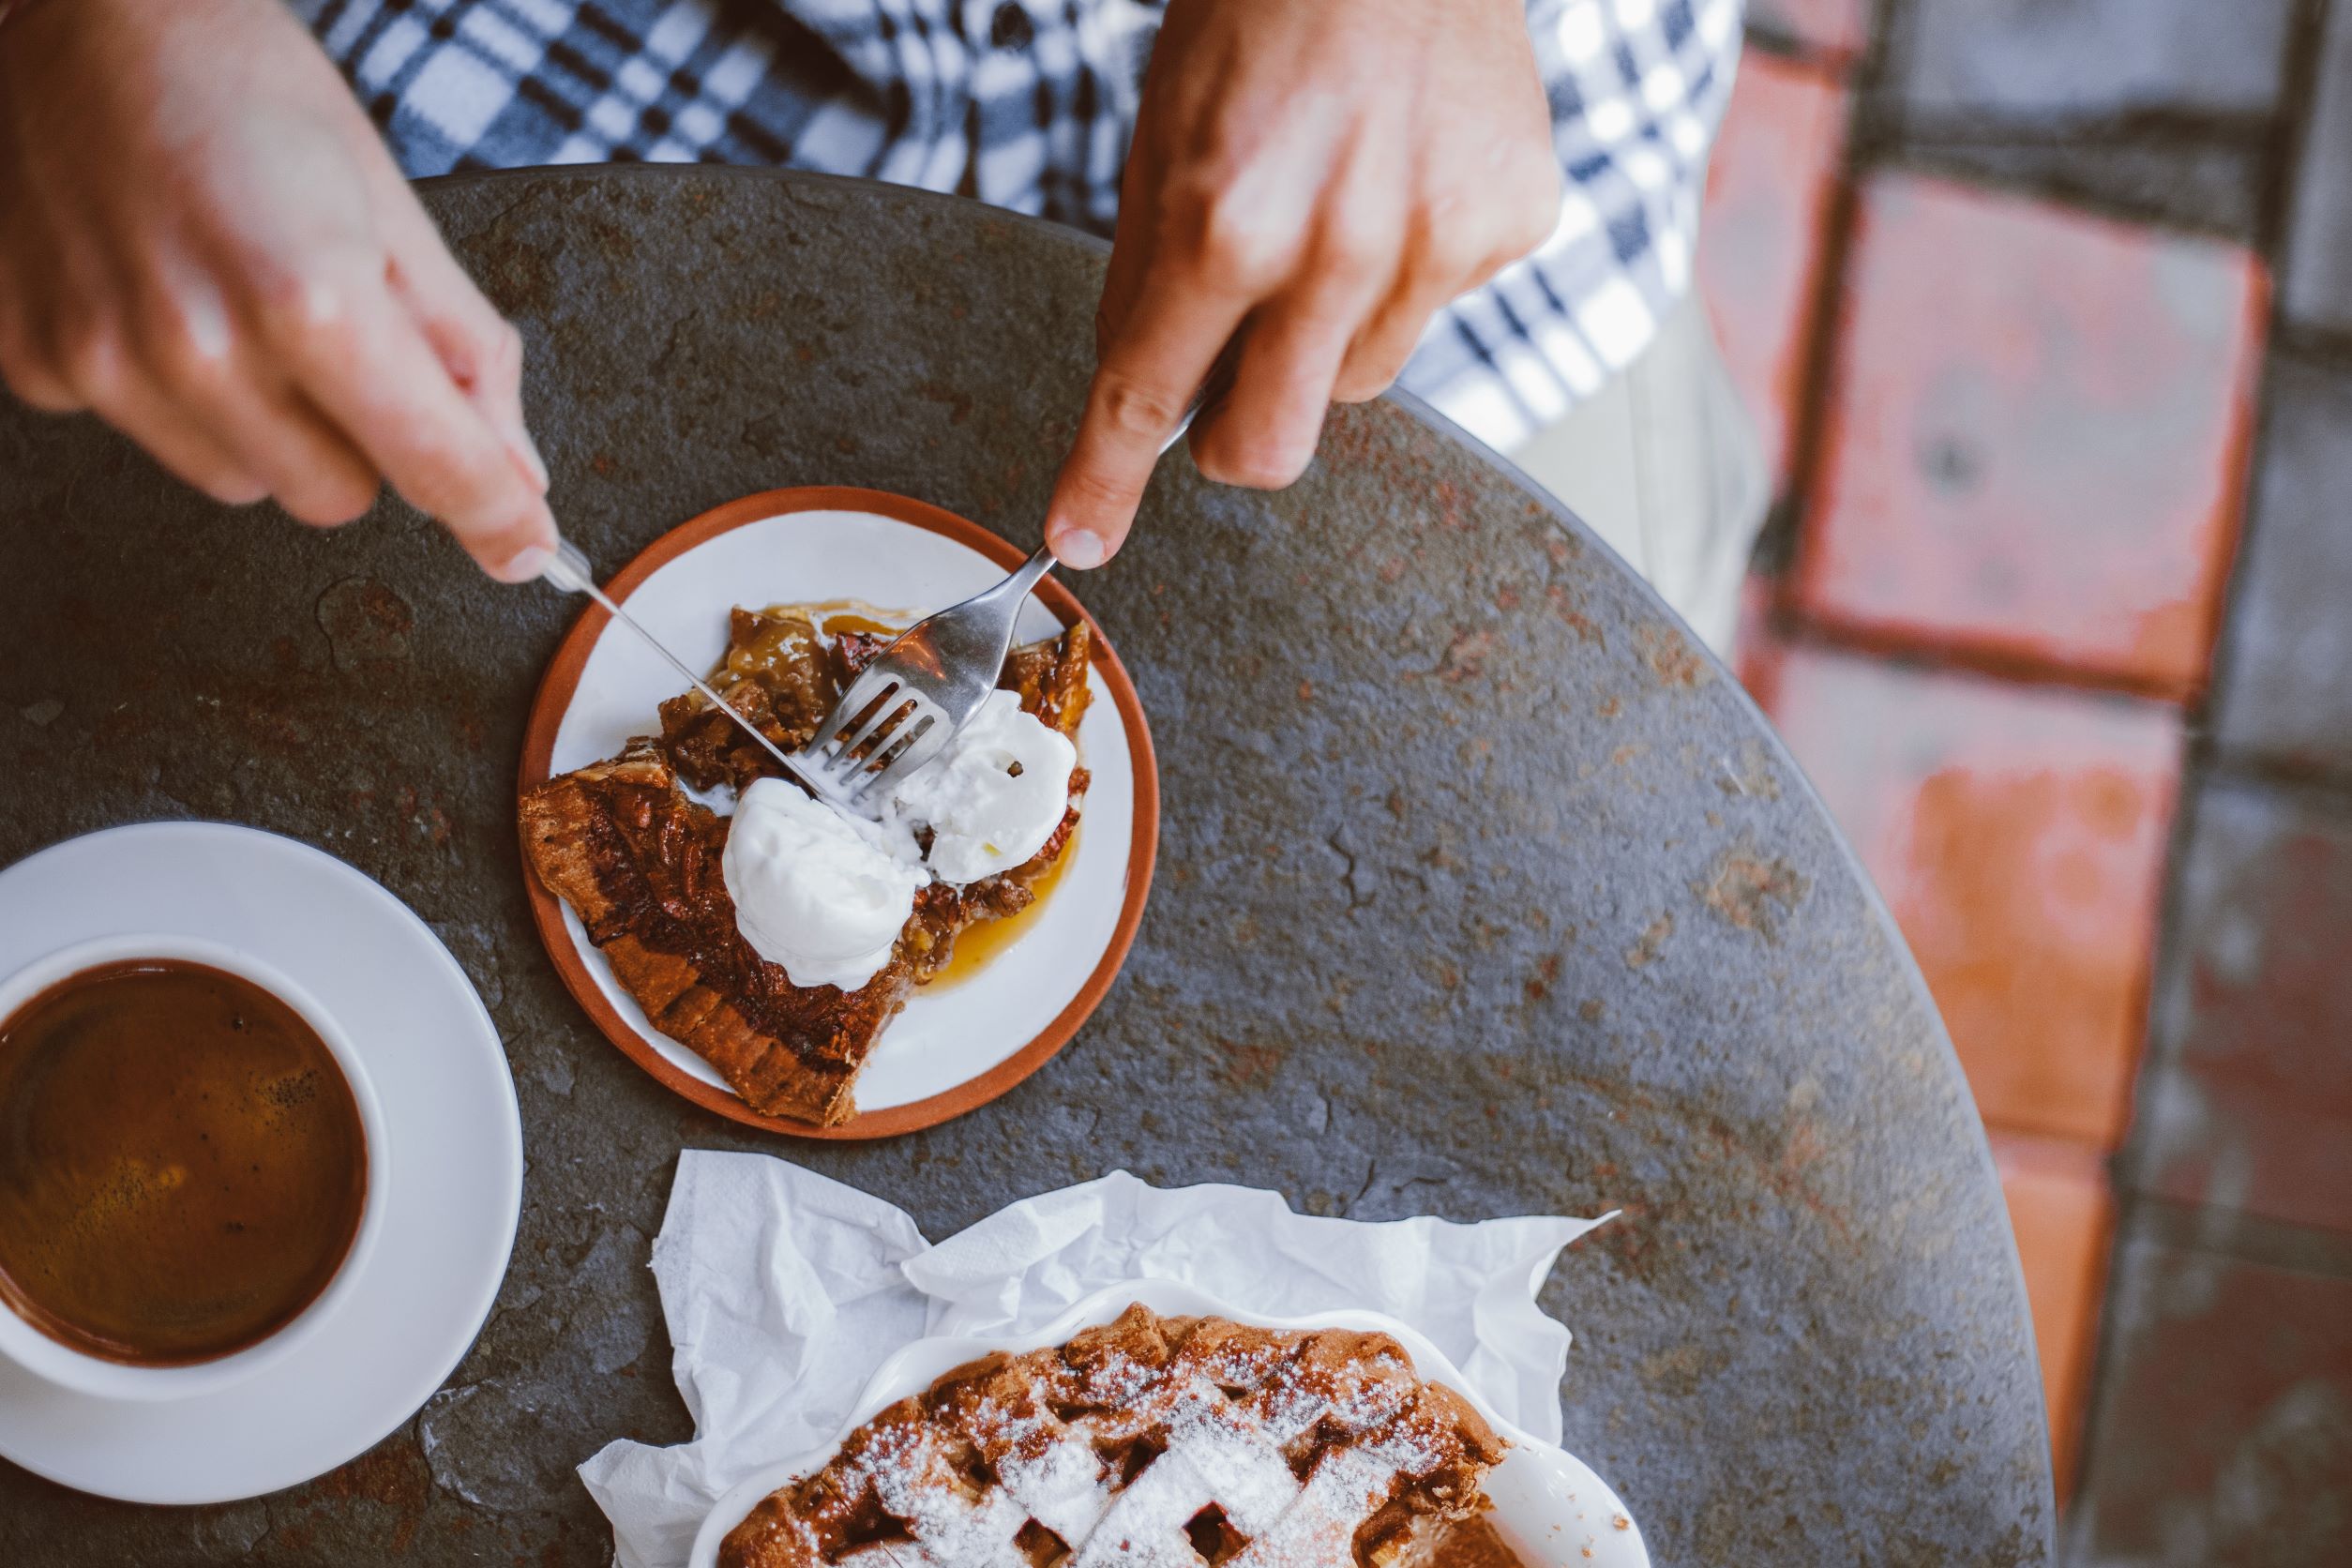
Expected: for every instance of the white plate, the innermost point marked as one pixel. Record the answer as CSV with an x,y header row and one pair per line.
x,y
947,1036
449,1115
1548,1505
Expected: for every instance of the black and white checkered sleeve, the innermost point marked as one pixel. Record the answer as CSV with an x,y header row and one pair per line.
x,y
1637,91
1029,104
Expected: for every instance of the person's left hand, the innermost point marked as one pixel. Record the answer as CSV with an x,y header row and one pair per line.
x,y
1320,177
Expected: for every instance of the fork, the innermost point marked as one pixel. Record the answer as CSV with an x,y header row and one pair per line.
x,y
903,709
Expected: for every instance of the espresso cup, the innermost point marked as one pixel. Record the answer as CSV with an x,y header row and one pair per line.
x,y
52,1360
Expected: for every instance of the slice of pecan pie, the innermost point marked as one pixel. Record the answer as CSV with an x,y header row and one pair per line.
x,y
639,861
1149,1441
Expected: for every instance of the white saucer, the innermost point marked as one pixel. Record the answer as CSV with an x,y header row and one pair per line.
x,y
952,1046
450,1111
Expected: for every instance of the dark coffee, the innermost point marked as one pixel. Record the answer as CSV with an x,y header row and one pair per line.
x,y
182,1164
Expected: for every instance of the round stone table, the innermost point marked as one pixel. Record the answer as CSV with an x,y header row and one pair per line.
x,y
1482,889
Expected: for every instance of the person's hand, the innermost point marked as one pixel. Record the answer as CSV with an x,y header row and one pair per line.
x,y
202,239
1322,176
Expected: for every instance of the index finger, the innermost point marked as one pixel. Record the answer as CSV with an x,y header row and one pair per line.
x,y
364,361
1155,360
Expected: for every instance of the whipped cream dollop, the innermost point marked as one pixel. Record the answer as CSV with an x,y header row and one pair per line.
x,y
825,895
994,797
815,892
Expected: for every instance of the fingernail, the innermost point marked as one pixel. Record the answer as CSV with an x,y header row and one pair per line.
x,y
1081,547
525,563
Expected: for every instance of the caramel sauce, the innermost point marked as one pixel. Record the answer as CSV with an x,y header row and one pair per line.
x,y
977,944
182,1163
836,616
784,637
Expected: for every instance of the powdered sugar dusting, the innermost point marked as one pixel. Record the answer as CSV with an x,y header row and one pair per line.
x,y
1147,1443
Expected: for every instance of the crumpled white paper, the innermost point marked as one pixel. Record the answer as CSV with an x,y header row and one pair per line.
x,y
784,1292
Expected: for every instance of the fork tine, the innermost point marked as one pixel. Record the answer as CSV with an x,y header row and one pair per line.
x,y
870,686
877,727
927,739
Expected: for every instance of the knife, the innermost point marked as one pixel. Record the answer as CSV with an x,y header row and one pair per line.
x,y
569,570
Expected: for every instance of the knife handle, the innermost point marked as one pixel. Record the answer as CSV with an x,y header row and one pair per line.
x,y
569,568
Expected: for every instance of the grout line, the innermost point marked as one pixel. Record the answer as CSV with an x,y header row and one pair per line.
x,y
1767,39
1914,651
1822,325
2234,1234
2169,951
2040,1151
2235,608
2298,94
1950,160
2326,348
1940,144
2327,790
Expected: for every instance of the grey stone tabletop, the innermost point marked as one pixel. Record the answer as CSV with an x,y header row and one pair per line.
x,y
1482,889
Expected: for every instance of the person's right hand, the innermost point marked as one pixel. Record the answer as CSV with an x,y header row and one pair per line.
x,y
202,239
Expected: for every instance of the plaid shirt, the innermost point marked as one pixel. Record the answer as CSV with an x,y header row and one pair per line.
x,y
1028,104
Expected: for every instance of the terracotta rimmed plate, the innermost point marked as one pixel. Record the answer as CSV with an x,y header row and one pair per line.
x,y
955,1047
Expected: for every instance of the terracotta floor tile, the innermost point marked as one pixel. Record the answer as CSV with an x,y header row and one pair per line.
x,y
2221,1433
2318,264
1768,187
1755,644
2284,688
2054,63
2249,1104
2062,1212
2035,441
2018,834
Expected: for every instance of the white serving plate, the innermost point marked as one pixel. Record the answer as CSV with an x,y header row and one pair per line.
x,y
1548,1505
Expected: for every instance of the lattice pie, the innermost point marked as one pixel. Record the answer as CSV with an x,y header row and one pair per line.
x,y
1151,1442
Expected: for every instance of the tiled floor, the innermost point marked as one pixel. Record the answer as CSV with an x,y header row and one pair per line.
x,y
2156,109
2318,261
2222,1432
1971,63
1996,276
2032,457
1767,195
2283,696
2063,1214
2247,1105
1837,30
2018,834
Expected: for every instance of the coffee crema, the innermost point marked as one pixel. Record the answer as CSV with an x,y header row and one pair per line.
x,y
182,1163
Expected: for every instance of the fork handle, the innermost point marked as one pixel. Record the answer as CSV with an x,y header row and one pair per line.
x,y
1017,586
1212,388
